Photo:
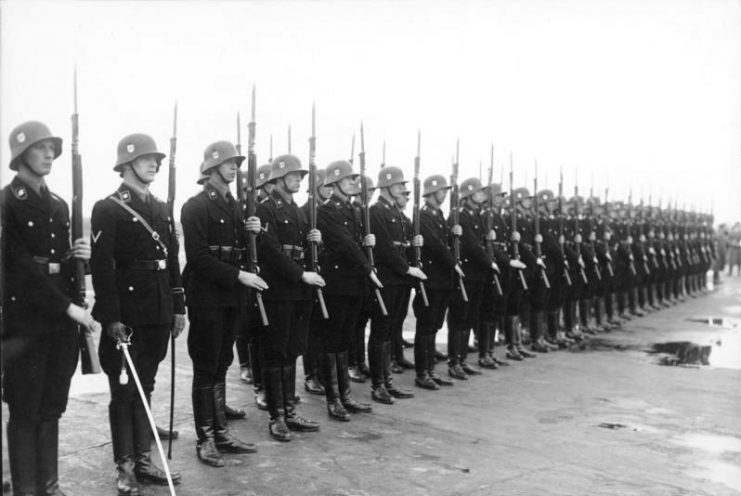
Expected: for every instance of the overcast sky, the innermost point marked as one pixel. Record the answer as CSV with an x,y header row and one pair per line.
x,y
638,93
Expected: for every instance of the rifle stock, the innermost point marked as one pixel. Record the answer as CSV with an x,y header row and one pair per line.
x,y
489,220
415,223
454,218
536,221
513,222
314,260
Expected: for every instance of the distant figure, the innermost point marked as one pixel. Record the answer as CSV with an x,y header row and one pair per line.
x,y
721,243
734,249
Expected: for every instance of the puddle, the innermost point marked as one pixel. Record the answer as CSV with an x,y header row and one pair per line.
x,y
722,322
711,443
710,467
682,353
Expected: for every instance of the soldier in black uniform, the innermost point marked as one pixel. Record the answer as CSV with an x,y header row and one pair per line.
x,y
39,338
312,383
215,242
440,265
281,252
393,237
347,274
138,291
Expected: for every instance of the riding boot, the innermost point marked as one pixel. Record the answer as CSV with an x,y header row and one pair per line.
x,y
432,361
454,352
378,374
312,381
294,421
569,319
225,441
518,338
610,307
584,317
623,305
328,373
122,439
47,449
421,363
392,389
398,354
599,315
633,301
484,345
203,416
511,336
145,470
273,383
557,336
343,383
22,446
536,333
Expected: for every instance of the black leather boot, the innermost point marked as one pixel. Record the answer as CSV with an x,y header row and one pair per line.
x,y
421,362
225,441
145,470
22,445
378,374
392,389
355,374
273,383
164,434
47,446
536,333
485,338
432,361
518,338
312,374
121,417
203,417
234,413
343,383
294,421
328,373
557,336
633,302
584,317
454,365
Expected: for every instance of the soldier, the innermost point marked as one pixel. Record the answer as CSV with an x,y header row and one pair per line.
x,y
39,338
312,383
138,294
215,241
393,238
440,265
281,251
347,273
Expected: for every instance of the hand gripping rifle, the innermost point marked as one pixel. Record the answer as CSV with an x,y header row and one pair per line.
x,y
88,354
171,209
607,245
536,222
589,230
314,260
561,240
577,234
415,221
513,222
489,221
366,219
454,215
247,195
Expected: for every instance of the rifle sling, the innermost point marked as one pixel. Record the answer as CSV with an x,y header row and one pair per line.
x,y
154,234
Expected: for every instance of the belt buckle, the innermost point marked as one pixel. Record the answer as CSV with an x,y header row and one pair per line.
x,y
161,264
55,268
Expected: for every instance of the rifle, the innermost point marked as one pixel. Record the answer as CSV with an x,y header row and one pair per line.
x,y
383,155
566,275
352,151
577,234
415,221
513,222
314,260
171,209
88,355
589,227
489,221
454,215
536,221
249,201
607,245
366,218
289,139
629,223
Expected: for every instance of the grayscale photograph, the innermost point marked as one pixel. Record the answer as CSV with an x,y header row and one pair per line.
x,y
370,247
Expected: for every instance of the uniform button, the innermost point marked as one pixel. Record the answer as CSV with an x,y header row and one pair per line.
x,y
12,298
336,267
30,223
53,235
135,219
131,288
158,247
221,220
285,221
52,251
51,220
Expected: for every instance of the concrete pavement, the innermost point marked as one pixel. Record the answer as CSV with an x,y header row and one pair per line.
x,y
605,419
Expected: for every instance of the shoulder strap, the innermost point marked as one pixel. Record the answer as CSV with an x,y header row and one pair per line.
x,y
155,235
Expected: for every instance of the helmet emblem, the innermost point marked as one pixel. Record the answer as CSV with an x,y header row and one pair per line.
x,y
337,172
130,148
388,175
20,137
434,182
281,165
262,175
215,155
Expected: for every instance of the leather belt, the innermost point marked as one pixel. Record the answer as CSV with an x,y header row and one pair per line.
x,y
296,253
227,254
50,268
154,265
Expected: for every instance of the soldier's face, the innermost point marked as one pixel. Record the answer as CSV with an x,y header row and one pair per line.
x,y
402,199
292,181
479,197
145,168
440,196
526,203
39,157
228,170
268,187
325,192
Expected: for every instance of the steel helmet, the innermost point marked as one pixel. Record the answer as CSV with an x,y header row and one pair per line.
x,y
263,173
319,180
338,170
368,185
134,146
285,164
469,187
203,177
28,134
497,189
388,176
433,184
219,152
545,196
521,194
